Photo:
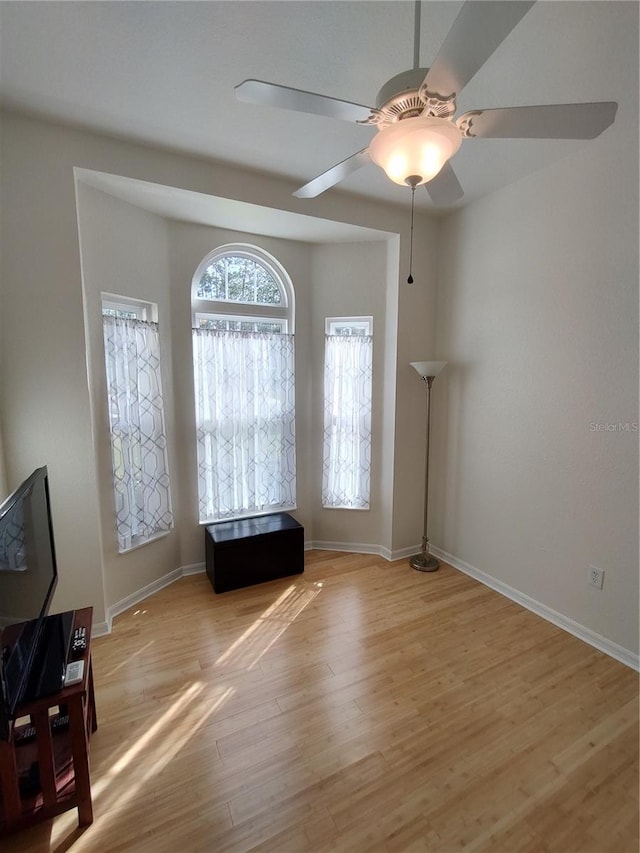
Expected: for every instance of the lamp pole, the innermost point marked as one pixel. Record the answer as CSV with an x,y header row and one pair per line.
x,y
424,561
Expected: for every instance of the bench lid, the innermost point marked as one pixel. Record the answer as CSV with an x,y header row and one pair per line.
x,y
245,528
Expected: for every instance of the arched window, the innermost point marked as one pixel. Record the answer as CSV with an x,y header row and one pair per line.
x,y
242,288
243,359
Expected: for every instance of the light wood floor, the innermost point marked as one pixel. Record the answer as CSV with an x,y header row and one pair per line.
x,y
362,706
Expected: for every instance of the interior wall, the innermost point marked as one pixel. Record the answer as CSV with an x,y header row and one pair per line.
x,y
416,337
390,367
536,463
349,280
45,408
124,251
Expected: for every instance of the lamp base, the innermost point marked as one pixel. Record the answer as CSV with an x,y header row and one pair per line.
x,y
424,563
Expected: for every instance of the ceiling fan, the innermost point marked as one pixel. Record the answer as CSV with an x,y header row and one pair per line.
x,y
414,113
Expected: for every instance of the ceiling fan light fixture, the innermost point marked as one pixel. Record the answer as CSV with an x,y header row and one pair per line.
x,y
415,148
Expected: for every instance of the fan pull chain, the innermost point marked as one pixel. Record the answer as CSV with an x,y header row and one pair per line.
x,y
410,279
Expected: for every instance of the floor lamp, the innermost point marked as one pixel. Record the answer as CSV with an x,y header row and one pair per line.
x,y
427,370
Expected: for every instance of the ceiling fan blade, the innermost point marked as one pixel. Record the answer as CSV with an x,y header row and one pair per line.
x,y
553,121
284,97
477,31
334,175
445,187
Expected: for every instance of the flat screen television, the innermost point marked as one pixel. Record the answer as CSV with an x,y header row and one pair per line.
x,y
33,648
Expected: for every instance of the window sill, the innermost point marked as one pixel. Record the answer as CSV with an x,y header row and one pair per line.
x,y
272,511
142,542
357,508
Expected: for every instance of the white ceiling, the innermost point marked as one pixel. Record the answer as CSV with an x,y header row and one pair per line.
x,y
164,73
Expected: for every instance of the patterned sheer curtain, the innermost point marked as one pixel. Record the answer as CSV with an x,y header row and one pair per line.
x,y
138,439
346,473
245,420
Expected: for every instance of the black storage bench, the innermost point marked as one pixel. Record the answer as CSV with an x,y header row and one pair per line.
x,y
253,550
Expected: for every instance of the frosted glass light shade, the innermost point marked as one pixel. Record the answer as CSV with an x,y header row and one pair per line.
x,y
415,148
428,368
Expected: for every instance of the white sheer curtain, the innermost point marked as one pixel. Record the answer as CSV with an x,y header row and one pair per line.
x,y
346,474
138,439
245,421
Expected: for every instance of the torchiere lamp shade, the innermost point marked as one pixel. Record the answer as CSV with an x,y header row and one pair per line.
x,y
428,368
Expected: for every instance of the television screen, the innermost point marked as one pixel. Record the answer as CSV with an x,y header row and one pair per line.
x,y
27,555
28,576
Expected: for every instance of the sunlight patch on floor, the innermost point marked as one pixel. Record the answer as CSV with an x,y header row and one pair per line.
x,y
127,662
246,651
178,706
117,790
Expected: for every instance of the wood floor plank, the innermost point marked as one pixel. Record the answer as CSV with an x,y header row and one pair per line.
x,y
361,706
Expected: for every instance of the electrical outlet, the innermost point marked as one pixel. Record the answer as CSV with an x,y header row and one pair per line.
x,y
596,577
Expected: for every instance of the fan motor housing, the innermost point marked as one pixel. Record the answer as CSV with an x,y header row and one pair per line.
x,y
400,98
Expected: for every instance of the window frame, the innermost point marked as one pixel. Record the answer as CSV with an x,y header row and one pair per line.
x,y
242,319
364,323
248,311
364,327
283,315
127,304
146,312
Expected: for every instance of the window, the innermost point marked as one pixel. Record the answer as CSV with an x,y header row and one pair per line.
x,y
349,326
242,288
136,421
348,375
240,324
243,357
128,308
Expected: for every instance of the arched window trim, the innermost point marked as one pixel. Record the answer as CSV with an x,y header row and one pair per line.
x,y
286,310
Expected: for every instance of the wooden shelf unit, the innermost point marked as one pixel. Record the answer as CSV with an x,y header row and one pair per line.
x,y
42,777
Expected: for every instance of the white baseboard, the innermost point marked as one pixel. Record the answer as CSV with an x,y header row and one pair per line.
x,y
404,553
101,629
349,547
193,569
140,595
559,619
363,548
